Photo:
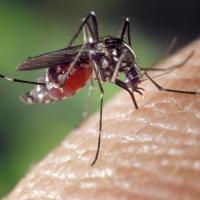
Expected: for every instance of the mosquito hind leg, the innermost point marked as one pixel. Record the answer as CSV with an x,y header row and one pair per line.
x,y
87,32
88,35
94,28
125,27
20,81
66,75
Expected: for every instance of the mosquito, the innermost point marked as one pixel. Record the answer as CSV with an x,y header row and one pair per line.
x,y
101,59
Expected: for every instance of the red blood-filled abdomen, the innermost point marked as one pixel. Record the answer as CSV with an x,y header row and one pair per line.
x,y
75,81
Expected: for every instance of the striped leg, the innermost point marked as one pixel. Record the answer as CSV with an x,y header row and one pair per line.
x,y
20,81
169,90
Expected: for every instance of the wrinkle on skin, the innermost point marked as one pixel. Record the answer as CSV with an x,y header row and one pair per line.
x,y
150,153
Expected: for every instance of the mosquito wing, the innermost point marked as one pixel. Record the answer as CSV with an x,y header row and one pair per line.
x,y
51,59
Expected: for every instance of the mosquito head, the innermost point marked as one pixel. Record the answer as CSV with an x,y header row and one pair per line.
x,y
133,77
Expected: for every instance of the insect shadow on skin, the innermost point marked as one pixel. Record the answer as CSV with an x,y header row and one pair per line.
x,y
101,59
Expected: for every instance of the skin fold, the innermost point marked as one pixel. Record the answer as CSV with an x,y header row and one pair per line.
x,y
150,153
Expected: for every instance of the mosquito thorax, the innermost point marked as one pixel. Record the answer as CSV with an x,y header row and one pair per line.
x,y
112,49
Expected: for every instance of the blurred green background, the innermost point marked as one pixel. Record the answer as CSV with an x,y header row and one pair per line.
x,y
28,28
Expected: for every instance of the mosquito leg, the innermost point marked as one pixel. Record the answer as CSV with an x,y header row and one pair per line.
x,y
95,25
87,31
125,26
20,81
88,35
101,109
87,103
115,73
124,86
85,20
66,75
89,96
169,90
172,67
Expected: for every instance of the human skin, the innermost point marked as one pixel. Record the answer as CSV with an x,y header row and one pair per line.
x,y
150,153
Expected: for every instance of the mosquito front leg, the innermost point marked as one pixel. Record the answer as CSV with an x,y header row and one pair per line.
x,y
169,90
123,85
120,83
